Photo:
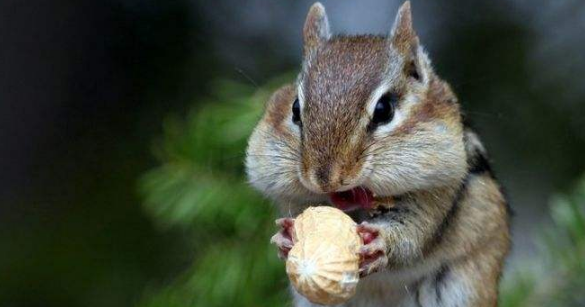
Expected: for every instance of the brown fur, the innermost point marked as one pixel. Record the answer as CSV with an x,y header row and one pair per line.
x,y
278,108
440,102
446,234
343,73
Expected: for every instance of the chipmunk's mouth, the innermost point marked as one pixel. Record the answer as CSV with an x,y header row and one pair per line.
x,y
356,198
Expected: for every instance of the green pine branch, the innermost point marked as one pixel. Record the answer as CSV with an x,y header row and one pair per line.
x,y
200,188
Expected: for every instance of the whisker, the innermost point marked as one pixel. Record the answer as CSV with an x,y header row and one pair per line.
x,y
274,156
278,141
266,176
245,75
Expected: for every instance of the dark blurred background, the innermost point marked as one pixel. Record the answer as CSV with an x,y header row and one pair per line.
x,y
85,87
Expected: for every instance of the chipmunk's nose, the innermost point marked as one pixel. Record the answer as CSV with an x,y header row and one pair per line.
x,y
326,177
322,176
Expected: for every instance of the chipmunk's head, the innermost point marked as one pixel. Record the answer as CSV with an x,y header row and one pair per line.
x,y
366,112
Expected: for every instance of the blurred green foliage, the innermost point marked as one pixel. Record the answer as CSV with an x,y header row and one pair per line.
x,y
200,188
557,276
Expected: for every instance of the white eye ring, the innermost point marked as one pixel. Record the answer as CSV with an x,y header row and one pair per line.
x,y
375,97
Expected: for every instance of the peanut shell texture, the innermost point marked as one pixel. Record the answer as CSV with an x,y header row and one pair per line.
x,y
323,262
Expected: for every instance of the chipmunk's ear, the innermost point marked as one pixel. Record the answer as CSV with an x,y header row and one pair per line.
x,y
403,37
404,40
316,29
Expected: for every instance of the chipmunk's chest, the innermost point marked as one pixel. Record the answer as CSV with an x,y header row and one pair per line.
x,y
386,289
416,287
413,287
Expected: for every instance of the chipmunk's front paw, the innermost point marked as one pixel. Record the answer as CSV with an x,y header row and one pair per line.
x,y
283,238
373,255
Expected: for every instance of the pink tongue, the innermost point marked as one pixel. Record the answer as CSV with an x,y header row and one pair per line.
x,y
353,199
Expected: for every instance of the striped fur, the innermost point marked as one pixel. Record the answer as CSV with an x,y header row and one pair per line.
x,y
447,236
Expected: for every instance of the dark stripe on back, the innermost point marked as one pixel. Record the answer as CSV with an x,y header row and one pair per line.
x,y
477,161
439,279
479,164
454,208
437,237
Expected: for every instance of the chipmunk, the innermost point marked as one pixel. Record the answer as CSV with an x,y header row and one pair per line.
x,y
369,120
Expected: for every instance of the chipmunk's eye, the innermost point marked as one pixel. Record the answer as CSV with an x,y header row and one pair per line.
x,y
384,111
296,111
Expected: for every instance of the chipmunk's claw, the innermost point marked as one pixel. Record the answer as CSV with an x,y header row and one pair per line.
x,y
373,255
283,238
